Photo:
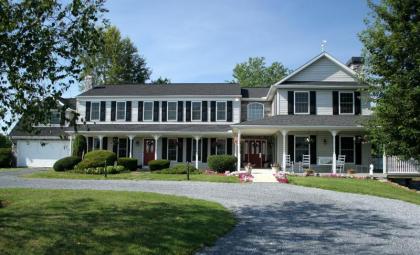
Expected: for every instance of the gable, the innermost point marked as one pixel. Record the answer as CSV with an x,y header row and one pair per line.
x,y
323,69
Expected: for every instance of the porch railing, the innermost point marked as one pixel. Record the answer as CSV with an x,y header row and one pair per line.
x,y
395,165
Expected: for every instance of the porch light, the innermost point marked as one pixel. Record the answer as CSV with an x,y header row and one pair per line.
x,y
325,141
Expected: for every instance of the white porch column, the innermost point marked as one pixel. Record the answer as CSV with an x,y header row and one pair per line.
x,y
384,166
197,138
156,137
93,142
334,163
239,150
71,144
100,137
284,133
131,137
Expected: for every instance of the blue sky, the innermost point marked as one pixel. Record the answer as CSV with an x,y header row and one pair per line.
x,y
201,41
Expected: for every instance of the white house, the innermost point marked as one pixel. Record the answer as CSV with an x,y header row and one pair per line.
x,y
317,110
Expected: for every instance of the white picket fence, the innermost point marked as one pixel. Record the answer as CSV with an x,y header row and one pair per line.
x,y
394,165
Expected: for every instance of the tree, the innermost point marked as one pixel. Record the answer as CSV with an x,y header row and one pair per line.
x,y
5,142
161,80
79,146
118,62
255,73
40,47
392,63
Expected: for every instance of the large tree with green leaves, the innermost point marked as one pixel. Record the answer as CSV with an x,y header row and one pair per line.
x,y
255,73
118,62
392,64
41,42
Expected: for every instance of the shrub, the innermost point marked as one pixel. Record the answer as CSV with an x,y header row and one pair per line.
x,y
101,170
159,164
179,169
97,159
6,157
66,163
128,163
79,146
222,163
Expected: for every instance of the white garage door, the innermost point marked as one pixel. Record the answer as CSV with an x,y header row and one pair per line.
x,y
41,153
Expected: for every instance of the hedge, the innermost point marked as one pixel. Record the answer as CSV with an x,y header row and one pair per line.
x,y
222,163
179,169
97,159
128,163
6,157
79,146
101,170
159,164
66,163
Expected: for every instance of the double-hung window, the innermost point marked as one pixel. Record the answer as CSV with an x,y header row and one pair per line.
x,y
172,111
220,146
55,118
255,111
346,103
148,111
221,111
302,102
347,148
94,111
196,111
120,110
172,148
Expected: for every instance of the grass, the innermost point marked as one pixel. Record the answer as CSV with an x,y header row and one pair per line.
x,y
107,222
359,186
11,169
134,176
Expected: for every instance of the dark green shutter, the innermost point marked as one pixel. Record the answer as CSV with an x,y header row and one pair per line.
x,y
140,111
335,102
357,103
180,149
87,112
156,111
229,146
180,111
290,102
189,145
291,146
105,143
90,143
213,146
188,111
204,150
313,149
213,111
312,99
103,110
113,108
337,145
358,148
229,113
128,111
164,110
204,111
164,148
115,145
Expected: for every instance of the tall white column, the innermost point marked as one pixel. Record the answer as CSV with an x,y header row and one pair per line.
x,y
156,145
71,145
334,163
284,133
239,150
384,166
100,137
131,145
196,151
93,143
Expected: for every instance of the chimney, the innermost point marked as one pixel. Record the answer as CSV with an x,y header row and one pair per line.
x,y
88,82
355,63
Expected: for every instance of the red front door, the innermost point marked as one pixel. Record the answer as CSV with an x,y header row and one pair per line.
x,y
254,152
149,150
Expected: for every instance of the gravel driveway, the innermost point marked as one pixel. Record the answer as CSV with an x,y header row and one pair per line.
x,y
280,218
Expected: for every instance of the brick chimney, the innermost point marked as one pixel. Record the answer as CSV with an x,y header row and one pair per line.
x,y
355,63
88,82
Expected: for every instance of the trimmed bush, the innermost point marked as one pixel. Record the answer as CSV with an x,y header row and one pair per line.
x,y
66,163
222,163
79,146
159,164
128,163
97,159
179,169
6,157
101,170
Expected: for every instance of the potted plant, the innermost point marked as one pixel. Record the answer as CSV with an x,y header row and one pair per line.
x,y
275,167
351,171
248,168
309,172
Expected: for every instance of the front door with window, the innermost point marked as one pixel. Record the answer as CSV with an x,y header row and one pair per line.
x,y
255,152
149,150
301,147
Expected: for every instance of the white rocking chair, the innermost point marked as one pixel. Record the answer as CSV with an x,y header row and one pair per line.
x,y
289,163
341,161
306,162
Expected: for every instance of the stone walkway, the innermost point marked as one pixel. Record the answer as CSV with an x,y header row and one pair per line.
x,y
263,175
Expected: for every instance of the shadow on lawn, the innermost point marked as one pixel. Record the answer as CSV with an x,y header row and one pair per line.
x,y
309,228
80,226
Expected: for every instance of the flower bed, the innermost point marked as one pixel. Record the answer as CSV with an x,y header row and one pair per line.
x,y
246,177
281,177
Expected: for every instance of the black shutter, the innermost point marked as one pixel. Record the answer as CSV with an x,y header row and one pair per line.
x,y
103,110
115,145
188,111
213,111
128,143
90,143
335,102
105,143
212,146
189,144
313,149
337,145
358,148
290,102
357,103
140,111
180,111
87,113
180,149
291,146
164,148
312,100
204,149
164,110
113,106
229,146
128,111
62,117
156,111
229,111
204,111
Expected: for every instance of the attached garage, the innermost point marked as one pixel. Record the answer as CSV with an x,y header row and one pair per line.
x,y
41,153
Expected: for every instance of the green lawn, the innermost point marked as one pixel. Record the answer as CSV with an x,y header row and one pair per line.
x,y
366,186
107,222
134,176
11,169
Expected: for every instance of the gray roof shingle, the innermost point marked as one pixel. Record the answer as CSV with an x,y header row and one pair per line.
x,y
187,128
38,131
254,92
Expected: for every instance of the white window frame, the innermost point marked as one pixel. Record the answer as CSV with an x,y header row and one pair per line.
x,y
354,148
254,103
176,149
91,110
217,149
176,110
294,145
294,102
116,110
224,102
144,109
339,102
192,110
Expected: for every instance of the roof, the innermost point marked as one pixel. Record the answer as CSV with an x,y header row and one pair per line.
x,y
354,60
325,83
254,92
186,89
70,102
188,128
309,120
38,131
